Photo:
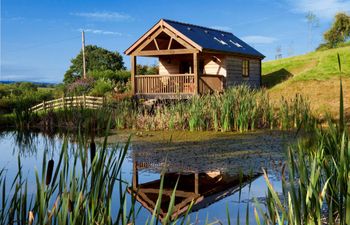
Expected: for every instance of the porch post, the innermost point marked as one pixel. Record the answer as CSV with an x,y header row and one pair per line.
x,y
196,74
196,187
133,73
135,174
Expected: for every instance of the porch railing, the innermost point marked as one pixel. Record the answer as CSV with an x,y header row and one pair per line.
x,y
165,84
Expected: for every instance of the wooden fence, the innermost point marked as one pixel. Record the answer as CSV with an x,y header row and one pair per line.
x,y
84,101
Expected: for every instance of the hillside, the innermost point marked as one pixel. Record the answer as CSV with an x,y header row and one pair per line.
x,y
314,75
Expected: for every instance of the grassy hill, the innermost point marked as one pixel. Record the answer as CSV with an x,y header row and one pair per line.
x,y
314,75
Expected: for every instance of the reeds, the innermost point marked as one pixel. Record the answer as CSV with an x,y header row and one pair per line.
x,y
316,179
238,109
68,191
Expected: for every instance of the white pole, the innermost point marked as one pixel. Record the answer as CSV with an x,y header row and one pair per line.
x,y
83,49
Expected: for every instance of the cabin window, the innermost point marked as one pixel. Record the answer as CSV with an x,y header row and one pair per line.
x,y
245,68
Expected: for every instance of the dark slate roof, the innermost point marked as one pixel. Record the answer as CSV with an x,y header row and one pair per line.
x,y
212,39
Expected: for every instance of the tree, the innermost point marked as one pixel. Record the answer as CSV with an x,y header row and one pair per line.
x,y
340,30
97,59
312,22
147,70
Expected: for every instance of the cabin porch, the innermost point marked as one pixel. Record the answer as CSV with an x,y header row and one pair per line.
x,y
180,77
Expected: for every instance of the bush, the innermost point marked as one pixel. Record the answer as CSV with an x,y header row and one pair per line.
x,y
80,86
21,96
116,76
101,87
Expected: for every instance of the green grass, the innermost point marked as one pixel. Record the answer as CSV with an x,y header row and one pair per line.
x,y
320,65
314,75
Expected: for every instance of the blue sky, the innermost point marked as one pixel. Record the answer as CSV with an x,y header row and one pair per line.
x,y
38,38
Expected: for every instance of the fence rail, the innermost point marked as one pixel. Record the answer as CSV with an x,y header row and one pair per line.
x,y
84,101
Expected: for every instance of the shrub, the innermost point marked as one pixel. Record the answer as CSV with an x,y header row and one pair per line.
x,y
117,76
101,87
80,86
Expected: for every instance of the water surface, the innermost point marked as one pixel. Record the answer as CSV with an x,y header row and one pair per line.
x,y
213,183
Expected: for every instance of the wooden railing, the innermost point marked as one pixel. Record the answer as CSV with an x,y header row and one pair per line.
x,y
90,102
165,84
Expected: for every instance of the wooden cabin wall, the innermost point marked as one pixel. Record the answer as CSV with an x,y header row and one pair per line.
x,y
214,64
168,65
214,71
234,71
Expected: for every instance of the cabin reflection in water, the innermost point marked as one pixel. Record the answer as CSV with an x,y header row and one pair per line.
x,y
201,188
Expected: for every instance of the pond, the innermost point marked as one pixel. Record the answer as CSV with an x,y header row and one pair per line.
x,y
217,171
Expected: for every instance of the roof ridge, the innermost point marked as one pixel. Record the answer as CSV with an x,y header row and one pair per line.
x,y
194,25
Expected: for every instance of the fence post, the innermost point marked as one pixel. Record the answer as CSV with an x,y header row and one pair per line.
x,y
84,101
44,105
63,102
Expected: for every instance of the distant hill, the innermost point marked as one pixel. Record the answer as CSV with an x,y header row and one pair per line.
x,y
314,75
40,84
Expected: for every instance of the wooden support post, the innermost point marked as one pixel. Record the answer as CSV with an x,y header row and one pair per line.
x,y
135,175
44,105
83,50
196,73
133,73
196,183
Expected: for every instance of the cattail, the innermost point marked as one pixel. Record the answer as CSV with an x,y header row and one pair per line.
x,y
30,218
49,171
92,150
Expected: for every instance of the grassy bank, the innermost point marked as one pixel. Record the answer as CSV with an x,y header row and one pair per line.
x,y
314,75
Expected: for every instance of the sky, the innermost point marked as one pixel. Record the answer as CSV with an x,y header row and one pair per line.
x,y
39,38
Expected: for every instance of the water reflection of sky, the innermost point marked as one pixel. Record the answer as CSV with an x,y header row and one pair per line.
x,y
32,156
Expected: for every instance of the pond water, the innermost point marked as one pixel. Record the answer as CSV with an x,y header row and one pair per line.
x,y
214,188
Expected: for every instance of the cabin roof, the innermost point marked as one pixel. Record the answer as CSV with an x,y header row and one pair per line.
x,y
212,39
204,39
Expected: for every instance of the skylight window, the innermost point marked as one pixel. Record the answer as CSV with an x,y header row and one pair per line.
x,y
220,41
237,45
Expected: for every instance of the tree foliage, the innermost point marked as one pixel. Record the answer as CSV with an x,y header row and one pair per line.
x,y
97,59
147,70
339,32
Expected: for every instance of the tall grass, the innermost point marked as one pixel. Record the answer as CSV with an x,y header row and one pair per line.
x,y
238,109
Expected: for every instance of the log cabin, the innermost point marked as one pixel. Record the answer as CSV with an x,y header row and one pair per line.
x,y
192,60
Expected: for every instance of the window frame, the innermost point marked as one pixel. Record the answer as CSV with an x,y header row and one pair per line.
x,y
245,67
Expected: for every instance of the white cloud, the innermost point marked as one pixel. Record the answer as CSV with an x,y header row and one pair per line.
x,y
103,16
325,9
258,39
223,28
104,32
